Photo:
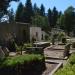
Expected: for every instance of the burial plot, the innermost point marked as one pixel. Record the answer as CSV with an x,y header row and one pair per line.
x,y
55,51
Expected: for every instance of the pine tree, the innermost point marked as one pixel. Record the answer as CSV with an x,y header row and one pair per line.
x,y
35,8
18,17
42,10
50,18
4,4
54,17
29,10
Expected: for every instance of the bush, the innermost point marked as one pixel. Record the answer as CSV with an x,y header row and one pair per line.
x,y
73,45
28,45
72,59
11,45
61,35
46,37
11,61
64,40
66,51
23,65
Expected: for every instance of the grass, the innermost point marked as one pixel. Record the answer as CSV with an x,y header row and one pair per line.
x,y
20,59
69,69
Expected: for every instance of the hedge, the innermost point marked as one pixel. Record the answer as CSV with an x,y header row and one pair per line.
x,y
23,65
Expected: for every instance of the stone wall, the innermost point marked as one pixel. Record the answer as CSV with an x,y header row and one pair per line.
x,y
20,31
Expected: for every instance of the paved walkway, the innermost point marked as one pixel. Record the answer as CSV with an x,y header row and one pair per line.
x,y
56,55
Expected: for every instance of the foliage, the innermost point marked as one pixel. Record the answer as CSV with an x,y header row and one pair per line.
x,y
28,45
60,22
54,17
21,59
46,37
11,45
64,40
18,16
42,10
67,50
61,35
50,17
29,11
11,15
69,19
4,4
73,45
72,59
18,48
69,69
53,40
40,21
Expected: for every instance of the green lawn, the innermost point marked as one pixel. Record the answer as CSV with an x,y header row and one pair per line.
x,y
69,69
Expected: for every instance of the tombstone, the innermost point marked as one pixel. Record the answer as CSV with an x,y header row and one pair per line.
x,y
6,51
2,54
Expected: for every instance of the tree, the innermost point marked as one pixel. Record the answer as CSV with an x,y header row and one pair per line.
x,y
61,22
4,4
29,11
40,21
35,8
19,13
54,17
59,14
42,10
69,19
50,18
11,15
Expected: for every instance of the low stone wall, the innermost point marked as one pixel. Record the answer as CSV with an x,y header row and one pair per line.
x,y
60,65
35,50
42,44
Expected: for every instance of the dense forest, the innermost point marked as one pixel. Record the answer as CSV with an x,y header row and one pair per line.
x,y
37,16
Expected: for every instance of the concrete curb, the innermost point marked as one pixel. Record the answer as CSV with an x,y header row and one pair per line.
x,y
56,58
60,65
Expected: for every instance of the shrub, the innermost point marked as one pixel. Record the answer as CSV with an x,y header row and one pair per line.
x,y
11,45
61,35
46,37
53,40
66,51
29,64
73,45
72,59
64,40
11,61
28,45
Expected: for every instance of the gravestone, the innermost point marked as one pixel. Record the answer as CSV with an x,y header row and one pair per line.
x,y
2,54
6,51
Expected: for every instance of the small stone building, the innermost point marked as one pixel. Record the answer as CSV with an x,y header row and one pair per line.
x,y
37,33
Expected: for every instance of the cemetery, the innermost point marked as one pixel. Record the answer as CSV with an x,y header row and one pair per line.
x,y
37,39
37,58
